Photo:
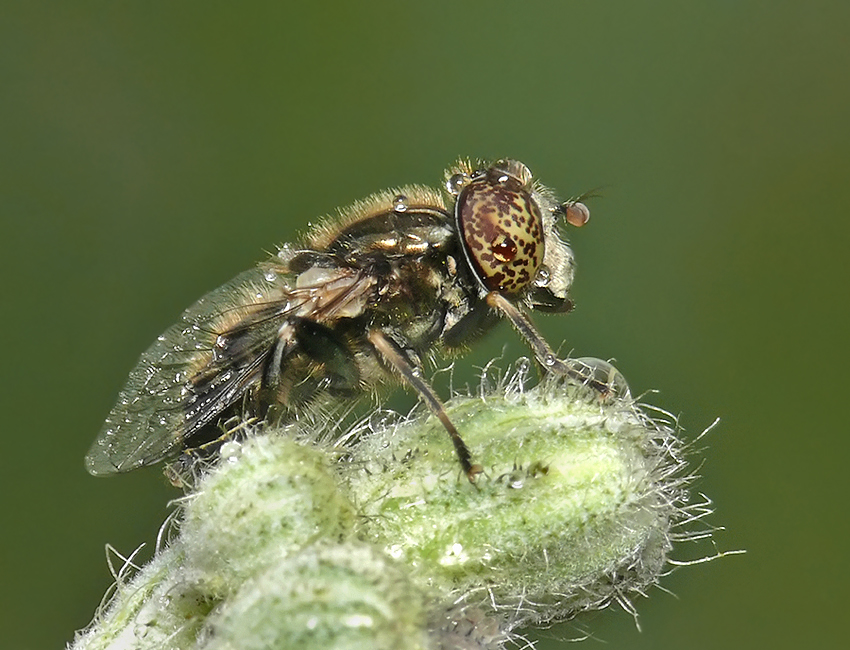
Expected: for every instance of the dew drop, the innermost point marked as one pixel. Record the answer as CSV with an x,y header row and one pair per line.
x,y
285,252
550,360
230,451
518,378
358,621
270,276
543,277
455,183
400,203
604,373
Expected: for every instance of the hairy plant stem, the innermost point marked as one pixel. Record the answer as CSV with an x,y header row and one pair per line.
x,y
301,537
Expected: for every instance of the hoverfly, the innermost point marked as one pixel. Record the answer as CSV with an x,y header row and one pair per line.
x,y
364,297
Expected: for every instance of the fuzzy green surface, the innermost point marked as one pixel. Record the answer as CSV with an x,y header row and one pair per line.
x,y
332,597
567,506
157,608
270,498
281,544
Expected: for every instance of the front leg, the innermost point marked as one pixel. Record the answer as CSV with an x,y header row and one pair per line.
x,y
394,357
546,357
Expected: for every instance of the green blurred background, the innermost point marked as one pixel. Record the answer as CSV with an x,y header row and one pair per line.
x,y
149,152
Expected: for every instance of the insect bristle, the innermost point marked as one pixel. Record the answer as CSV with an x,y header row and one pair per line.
x,y
326,231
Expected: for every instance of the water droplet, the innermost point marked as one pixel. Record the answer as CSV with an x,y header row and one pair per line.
x,y
550,360
230,451
220,341
358,621
270,276
543,277
285,252
604,373
400,203
455,183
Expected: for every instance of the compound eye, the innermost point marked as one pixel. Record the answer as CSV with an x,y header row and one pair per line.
x,y
502,232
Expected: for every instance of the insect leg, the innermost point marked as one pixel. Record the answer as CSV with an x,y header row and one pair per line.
x,y
390,352
308,358
284,345
542,352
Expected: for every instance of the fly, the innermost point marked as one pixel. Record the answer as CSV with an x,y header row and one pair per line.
x,y
364,298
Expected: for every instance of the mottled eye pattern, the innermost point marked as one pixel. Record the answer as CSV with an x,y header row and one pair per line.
x,y
502,231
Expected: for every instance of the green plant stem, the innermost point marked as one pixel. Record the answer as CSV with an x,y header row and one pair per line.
x,y
381,542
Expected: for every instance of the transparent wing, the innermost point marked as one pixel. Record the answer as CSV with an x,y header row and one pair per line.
x,y
213,356
193,371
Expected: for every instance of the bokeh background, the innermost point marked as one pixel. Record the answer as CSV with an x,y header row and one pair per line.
x,y
149,152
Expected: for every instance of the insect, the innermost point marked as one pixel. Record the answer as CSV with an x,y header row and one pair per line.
x,y
365,297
